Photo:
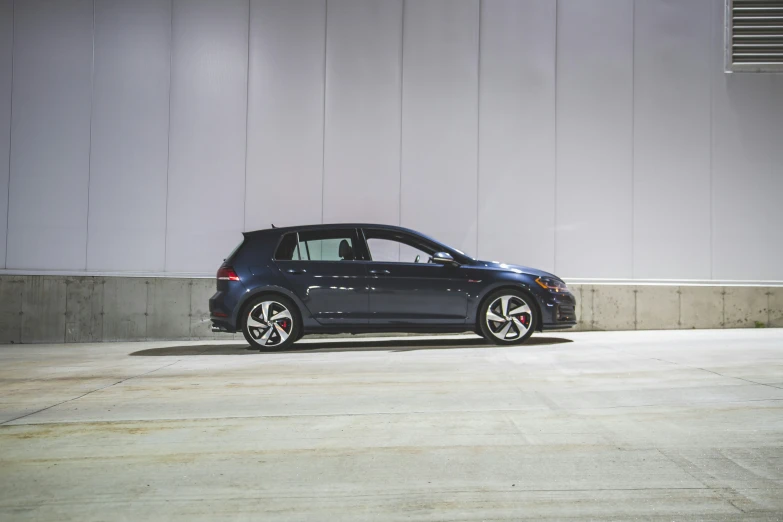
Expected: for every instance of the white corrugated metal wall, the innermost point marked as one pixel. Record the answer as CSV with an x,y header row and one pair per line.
x,y
598,139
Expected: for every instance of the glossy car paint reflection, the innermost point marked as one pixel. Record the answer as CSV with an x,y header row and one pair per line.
x,y
414,293
333,291
362,295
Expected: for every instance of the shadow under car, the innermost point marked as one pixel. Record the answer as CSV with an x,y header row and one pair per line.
x,y
395,344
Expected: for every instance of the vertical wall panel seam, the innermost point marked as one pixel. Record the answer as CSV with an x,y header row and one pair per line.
x,y
103,309
190,285
89,146
102,313
636,308
712,81
147,312
554,189
65,323
402,88
633,139
769,305
679,307
23,291
323,113
478,129
10,133
399,167
247,116
168,144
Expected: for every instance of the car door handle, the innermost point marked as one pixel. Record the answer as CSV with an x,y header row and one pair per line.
x,y
296,271
380,272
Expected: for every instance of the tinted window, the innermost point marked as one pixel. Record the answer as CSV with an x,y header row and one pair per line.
x,y
390,250
236,249
391,246
317,245
287,249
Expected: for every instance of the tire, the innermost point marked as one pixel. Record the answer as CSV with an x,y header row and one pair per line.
x,y
271,322
502,327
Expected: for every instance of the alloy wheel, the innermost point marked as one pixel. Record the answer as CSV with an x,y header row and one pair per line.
x,y
269,323
509,317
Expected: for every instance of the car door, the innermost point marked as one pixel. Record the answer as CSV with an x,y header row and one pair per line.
x,y
405,292
325,275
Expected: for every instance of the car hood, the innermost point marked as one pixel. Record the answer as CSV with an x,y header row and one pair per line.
x,y
513,268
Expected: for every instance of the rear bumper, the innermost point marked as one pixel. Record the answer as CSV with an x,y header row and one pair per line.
x,y
220,314
221,327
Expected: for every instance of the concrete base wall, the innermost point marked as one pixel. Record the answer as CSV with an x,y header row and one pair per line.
x,y
607,307
65,309
57,309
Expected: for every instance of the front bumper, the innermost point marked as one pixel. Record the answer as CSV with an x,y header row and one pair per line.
x,y
558,310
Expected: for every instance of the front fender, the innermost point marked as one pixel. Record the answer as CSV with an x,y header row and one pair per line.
x,y
509,281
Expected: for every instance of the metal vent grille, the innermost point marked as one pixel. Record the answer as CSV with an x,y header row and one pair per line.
x,y
754,35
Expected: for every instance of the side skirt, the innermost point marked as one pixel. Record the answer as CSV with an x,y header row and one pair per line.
x,y
356,329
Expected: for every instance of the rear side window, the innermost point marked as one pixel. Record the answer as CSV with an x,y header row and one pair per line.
x,y
318,245
287,250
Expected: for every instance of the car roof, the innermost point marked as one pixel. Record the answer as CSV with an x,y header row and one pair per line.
x,y
327,226
271,234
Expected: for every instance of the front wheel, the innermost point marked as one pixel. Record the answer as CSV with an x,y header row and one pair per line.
x,y
271,323
507,317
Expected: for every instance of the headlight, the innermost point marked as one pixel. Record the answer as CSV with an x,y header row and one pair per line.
x,y
550,283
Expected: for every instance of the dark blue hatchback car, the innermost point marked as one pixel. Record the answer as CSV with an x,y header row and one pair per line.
x,y
282,283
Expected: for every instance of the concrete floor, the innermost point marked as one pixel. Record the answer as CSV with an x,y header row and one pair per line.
x,y
684,425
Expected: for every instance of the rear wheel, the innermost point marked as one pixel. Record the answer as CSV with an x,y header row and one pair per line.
x,y
507,316
271,323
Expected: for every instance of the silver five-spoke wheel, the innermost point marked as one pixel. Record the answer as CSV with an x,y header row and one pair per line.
x,y
509,317
269,323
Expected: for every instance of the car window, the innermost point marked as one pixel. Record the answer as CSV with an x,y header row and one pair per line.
x,y
287,250
317,245
236,249
394,251
393,247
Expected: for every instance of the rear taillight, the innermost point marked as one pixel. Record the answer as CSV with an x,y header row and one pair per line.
x,y
226,273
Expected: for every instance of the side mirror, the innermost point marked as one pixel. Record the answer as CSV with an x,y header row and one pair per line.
x,y
443,258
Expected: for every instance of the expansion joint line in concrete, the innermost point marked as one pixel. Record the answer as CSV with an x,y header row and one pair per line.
x,y
719,374
684,468
88,393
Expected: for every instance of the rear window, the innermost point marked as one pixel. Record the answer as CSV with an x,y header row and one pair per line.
x,y
317,245
236,249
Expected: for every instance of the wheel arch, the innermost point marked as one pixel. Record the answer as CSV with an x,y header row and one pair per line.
x,y
239,314
539,327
